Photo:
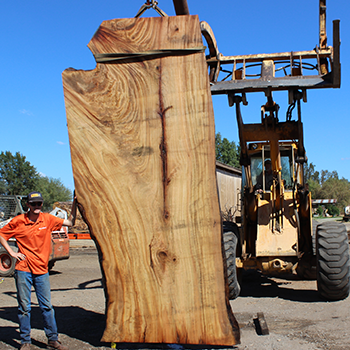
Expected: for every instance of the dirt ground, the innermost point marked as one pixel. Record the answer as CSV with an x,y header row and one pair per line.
x,y
296,317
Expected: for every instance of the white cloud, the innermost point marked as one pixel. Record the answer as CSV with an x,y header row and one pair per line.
x,y
24,111
345,158
61,143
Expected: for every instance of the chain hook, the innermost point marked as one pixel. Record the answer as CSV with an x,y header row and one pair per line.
x,y
148,5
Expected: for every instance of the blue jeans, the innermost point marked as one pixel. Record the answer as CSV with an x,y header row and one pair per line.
x,y
41,283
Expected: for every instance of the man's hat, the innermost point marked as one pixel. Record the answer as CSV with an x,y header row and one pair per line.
x,y
35,197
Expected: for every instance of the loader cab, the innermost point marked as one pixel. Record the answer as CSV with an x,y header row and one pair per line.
x,y
260,154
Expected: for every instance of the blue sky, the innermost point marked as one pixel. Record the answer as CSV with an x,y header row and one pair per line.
x,y
40,39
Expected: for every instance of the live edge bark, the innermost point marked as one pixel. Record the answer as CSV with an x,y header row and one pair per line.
x,y
142,144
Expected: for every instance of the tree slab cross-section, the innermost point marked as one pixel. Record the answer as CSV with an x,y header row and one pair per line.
x,y
142,142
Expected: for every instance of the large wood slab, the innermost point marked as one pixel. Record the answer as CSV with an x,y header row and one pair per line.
x,y
142,144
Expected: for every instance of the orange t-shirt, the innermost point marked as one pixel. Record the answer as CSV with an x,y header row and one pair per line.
x,y
33,240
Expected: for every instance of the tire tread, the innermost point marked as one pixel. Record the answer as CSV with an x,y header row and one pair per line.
x,y
333,261
230,241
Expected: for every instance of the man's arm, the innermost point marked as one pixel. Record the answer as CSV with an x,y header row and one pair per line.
x,y
73,213
18,256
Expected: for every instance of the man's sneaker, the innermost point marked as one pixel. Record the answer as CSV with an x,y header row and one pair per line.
x,y
25,346
56,345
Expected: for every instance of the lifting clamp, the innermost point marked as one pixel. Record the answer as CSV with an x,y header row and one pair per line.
x,y
150,4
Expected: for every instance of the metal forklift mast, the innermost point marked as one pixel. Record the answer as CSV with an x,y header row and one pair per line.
x,y
294,65
237,82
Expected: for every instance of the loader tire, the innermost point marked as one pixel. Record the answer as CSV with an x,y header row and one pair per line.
x,y
306,269
230,241
315,223
333,261
7,263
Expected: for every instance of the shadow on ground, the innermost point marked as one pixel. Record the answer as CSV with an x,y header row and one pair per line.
x,y
79,324
254,284
73,321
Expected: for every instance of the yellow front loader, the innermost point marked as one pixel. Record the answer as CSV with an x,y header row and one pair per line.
x,y
276,234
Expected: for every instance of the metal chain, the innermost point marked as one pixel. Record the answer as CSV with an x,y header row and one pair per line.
x,y
150,4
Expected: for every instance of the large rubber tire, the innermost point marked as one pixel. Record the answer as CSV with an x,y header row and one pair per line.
x,y
333,261
306,269
7,263
230,239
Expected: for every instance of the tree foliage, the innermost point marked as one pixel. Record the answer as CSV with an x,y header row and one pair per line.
x,y
19,177
2,187
310,173
327,185
52,191
333,210
338,189
226,152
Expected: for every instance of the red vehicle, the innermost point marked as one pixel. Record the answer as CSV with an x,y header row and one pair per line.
x,y
10,206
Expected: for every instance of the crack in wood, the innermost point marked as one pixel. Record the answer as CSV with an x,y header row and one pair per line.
x,y
163,145
150,256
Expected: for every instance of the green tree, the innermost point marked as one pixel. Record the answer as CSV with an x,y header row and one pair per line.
x,y
310,173
314,188
327,185
333,210
312,178
52,191
338,189
226,151
319,210
2,187
17,175
326,175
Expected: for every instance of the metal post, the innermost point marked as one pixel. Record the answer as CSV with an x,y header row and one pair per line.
x,y
336,69
181,7
323,33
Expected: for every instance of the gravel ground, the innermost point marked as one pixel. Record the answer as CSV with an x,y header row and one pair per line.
x,y
296,317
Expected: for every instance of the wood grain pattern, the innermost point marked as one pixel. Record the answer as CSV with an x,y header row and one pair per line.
x,y
143,153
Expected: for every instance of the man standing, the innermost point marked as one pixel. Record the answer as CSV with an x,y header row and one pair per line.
x,y
32,232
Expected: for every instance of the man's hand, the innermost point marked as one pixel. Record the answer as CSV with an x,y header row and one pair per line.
x,y
73,213
18,256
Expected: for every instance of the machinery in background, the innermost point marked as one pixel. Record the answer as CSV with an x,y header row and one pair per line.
x,y
277,234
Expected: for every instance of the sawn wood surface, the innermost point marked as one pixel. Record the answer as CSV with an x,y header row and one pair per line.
x,y
142,141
